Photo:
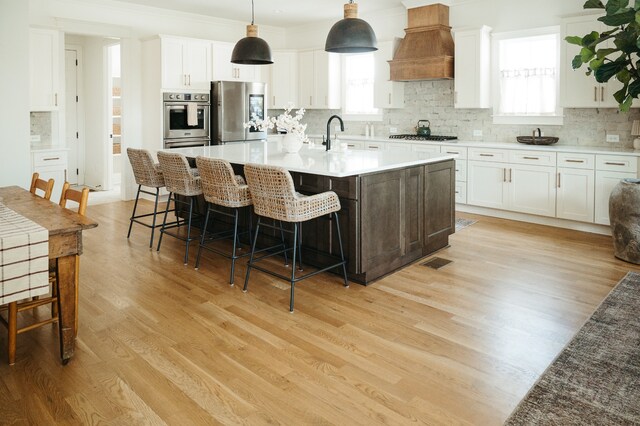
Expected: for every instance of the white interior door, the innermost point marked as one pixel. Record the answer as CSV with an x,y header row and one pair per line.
x,y
75,172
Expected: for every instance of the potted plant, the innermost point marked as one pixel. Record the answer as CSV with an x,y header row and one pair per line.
x,y
618,59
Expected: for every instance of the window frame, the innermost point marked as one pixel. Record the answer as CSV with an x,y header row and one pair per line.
x,y
377,117
556,119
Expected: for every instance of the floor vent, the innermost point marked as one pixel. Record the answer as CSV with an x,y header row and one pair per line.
x,y
436,262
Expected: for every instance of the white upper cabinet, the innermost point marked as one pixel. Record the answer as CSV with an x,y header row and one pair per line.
x,y
186,64
44,69
577,89
472,68
318,79
386,93
223,69
284,80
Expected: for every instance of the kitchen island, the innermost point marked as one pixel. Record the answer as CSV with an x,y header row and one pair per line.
x,y
396,206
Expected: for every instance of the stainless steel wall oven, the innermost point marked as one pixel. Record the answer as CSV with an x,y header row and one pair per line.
x,y
186,119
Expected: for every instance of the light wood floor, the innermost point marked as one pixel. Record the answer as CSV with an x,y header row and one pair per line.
x,y
161,343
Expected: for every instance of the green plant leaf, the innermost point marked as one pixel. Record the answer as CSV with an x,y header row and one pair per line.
x,y
587,54
623,18
574,40
596,63
593,4
608,70
601,53
624,76
577,62
615,5
634,88
590,38
621,94
626,105
637,6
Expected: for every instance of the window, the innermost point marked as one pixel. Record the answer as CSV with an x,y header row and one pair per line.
x,y
526,76
358,86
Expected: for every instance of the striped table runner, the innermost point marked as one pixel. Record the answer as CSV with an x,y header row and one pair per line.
x,y
24,257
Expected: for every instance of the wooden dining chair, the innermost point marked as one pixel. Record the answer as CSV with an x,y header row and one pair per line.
x,y
68,194
43,185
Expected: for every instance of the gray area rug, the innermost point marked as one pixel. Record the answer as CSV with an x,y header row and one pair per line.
x,y
463,223
596,379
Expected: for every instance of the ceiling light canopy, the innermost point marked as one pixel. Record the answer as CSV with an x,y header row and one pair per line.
x,y
252,50
351,34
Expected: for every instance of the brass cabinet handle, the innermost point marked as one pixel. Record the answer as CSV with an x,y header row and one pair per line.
x,y
486,155
558,180
373,147
531,158
310,100
504,175
389,98
609,163
453,152
602,93
51,159
274,99
55,101
574,161
595,94
510,171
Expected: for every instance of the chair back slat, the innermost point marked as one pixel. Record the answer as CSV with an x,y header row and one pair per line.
x,y
220,185
80,197
42,185
145,171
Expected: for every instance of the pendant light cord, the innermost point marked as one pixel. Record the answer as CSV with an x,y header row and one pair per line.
x,y
252,12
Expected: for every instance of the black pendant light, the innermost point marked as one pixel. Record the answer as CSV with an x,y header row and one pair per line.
x,y
252,50
351,34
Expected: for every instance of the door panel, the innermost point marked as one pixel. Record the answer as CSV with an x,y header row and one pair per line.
x,y
76,165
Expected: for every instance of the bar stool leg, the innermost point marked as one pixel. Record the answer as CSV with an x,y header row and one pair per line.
x,y
293,266
235,241
186,251
284,244
135,206
155,214
300,247
13,331
202,237
344,265
164,221
253,249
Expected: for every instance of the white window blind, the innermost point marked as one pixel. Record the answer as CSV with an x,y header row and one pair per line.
x,y
358,81
528,76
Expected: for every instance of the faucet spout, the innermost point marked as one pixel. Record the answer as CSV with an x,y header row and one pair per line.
x,y
328,147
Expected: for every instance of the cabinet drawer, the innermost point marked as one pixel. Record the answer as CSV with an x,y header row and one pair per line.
x,y
432,149
50,158
346,187
484,154
576,161
453,149
354,144
374,146
539,158
461,171
617,163
461,192
391,146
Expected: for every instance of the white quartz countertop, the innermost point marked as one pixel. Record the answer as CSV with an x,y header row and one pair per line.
x,y
501,145
315,160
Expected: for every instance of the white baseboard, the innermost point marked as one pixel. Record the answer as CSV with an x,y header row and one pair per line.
x,y
541,220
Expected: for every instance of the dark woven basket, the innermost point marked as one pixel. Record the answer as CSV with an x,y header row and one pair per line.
x,y
543,140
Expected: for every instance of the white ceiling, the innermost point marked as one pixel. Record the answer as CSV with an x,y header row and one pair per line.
x,y
281,13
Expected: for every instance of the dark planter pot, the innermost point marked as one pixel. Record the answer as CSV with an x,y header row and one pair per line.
x,y
624,216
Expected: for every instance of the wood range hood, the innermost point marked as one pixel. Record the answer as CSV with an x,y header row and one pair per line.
x,y
426,51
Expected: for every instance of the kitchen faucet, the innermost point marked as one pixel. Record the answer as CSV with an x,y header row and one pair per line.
x,y
329,129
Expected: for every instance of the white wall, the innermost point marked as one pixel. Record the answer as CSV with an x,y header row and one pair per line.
x,y
15,161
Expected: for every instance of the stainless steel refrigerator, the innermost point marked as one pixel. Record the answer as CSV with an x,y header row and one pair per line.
x,y
234,103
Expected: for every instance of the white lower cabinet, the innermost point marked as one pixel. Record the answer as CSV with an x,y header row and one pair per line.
x,y
605,182
531,189
487,184
51,165
575,194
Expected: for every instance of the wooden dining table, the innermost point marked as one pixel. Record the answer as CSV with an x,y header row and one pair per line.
x,y
65,246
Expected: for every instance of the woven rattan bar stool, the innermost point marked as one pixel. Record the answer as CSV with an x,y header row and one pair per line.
x,y
147,173
222,187
274,196
180,179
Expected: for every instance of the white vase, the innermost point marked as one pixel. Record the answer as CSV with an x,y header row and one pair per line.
x,y
291,143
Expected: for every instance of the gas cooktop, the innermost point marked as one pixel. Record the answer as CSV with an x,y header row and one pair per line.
x,y
424,138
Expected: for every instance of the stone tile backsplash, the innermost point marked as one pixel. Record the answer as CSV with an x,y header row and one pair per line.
x,y
433,101
41,125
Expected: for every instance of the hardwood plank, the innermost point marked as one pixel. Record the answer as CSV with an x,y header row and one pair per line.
x,y
161,343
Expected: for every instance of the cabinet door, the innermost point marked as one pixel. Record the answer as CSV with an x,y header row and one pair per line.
x,y
284,80
472,65
605,181
487,186
386,93
532,189
173,53
321,78
579,89
222,68
43,69
198,64
306,80
575,194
